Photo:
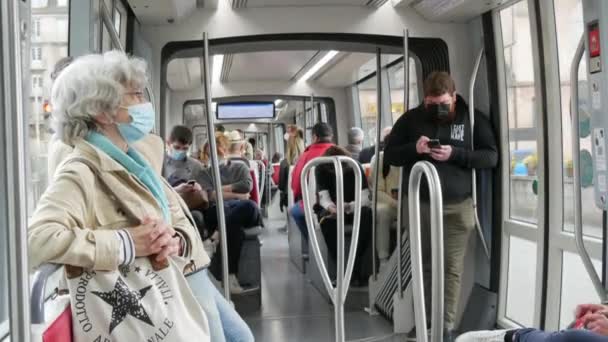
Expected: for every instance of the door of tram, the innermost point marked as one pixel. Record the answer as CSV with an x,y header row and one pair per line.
x,y
542,274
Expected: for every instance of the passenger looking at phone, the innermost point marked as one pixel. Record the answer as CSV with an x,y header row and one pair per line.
x,y
439,131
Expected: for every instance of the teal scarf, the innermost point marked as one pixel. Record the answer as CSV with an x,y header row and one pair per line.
x,y
137,166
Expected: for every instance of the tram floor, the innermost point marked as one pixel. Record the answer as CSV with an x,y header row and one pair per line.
x,y
293,309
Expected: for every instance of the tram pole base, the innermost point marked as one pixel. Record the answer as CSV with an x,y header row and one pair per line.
x,y
403,312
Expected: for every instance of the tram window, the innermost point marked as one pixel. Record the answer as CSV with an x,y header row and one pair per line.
x,y
569,19
577,288
39,3
279,140
368,107
51,46
520,89
106,40
521,281
395,79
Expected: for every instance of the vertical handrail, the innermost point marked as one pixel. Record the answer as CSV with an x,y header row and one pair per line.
x,y
399,227
377,154
474,172
576,166
337,294
14,39
406,90
437,293
215,168
312,104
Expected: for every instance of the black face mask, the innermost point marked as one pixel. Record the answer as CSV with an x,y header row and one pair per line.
x,y
439,111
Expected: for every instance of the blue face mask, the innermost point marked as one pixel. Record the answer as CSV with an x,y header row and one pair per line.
x,y
177,154
143,119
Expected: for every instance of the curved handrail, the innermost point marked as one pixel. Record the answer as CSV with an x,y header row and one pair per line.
x,y
262,177
337,294
38,293
576,166
474,172
436,199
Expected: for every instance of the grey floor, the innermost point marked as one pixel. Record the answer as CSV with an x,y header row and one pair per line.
x,y
293,310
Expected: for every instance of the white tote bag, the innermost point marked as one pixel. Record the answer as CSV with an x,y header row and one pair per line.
x,y
137,303
147,301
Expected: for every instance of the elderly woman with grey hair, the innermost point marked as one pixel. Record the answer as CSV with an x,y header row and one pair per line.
x,y
100,110
355,142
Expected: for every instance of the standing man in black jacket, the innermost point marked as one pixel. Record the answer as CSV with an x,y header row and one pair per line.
x,y
439,131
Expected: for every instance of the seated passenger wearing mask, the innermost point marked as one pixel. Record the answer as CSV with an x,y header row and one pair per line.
x,y
321,140
240,212
366,154
326,187
355,142
100,110
439,131
178,167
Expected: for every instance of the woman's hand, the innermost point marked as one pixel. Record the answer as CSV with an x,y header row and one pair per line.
x,y
151,236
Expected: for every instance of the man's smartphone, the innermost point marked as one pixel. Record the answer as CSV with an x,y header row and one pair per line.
x,y
433,143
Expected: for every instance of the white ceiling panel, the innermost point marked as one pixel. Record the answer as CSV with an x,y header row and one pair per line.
x,y
155,12
268,66
274,3
454,10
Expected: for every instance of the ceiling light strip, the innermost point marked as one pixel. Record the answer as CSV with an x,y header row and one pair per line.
x,y
317,66
226,67
217,65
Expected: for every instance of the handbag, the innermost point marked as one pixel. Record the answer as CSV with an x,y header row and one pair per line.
x,y
145,301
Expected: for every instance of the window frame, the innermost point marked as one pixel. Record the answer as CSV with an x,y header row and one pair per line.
x,y
512,227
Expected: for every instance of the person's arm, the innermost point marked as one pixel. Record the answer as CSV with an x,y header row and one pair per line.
x,y
485,154
59,231
400,149
241,179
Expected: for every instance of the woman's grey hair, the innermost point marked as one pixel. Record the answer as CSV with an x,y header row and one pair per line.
x,y
355,136
91,85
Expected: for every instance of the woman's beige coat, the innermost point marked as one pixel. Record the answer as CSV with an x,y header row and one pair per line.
x,y
75,219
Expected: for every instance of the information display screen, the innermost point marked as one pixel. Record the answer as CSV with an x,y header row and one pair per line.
x,y
245,110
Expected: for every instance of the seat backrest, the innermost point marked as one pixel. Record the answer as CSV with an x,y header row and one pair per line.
x,y
276,172
254,194
60,330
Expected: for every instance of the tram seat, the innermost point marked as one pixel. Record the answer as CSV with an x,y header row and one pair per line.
x,y
276,169
52,318
254,194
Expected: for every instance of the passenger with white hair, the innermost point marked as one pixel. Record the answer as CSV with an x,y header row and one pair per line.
x,y
355,142
108,204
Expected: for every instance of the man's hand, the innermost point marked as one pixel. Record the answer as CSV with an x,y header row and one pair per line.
x,y
422,146
441,153
597,323
584,309
332,209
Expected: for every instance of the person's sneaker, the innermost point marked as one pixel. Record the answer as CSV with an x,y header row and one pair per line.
x,y
483,336
235,286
